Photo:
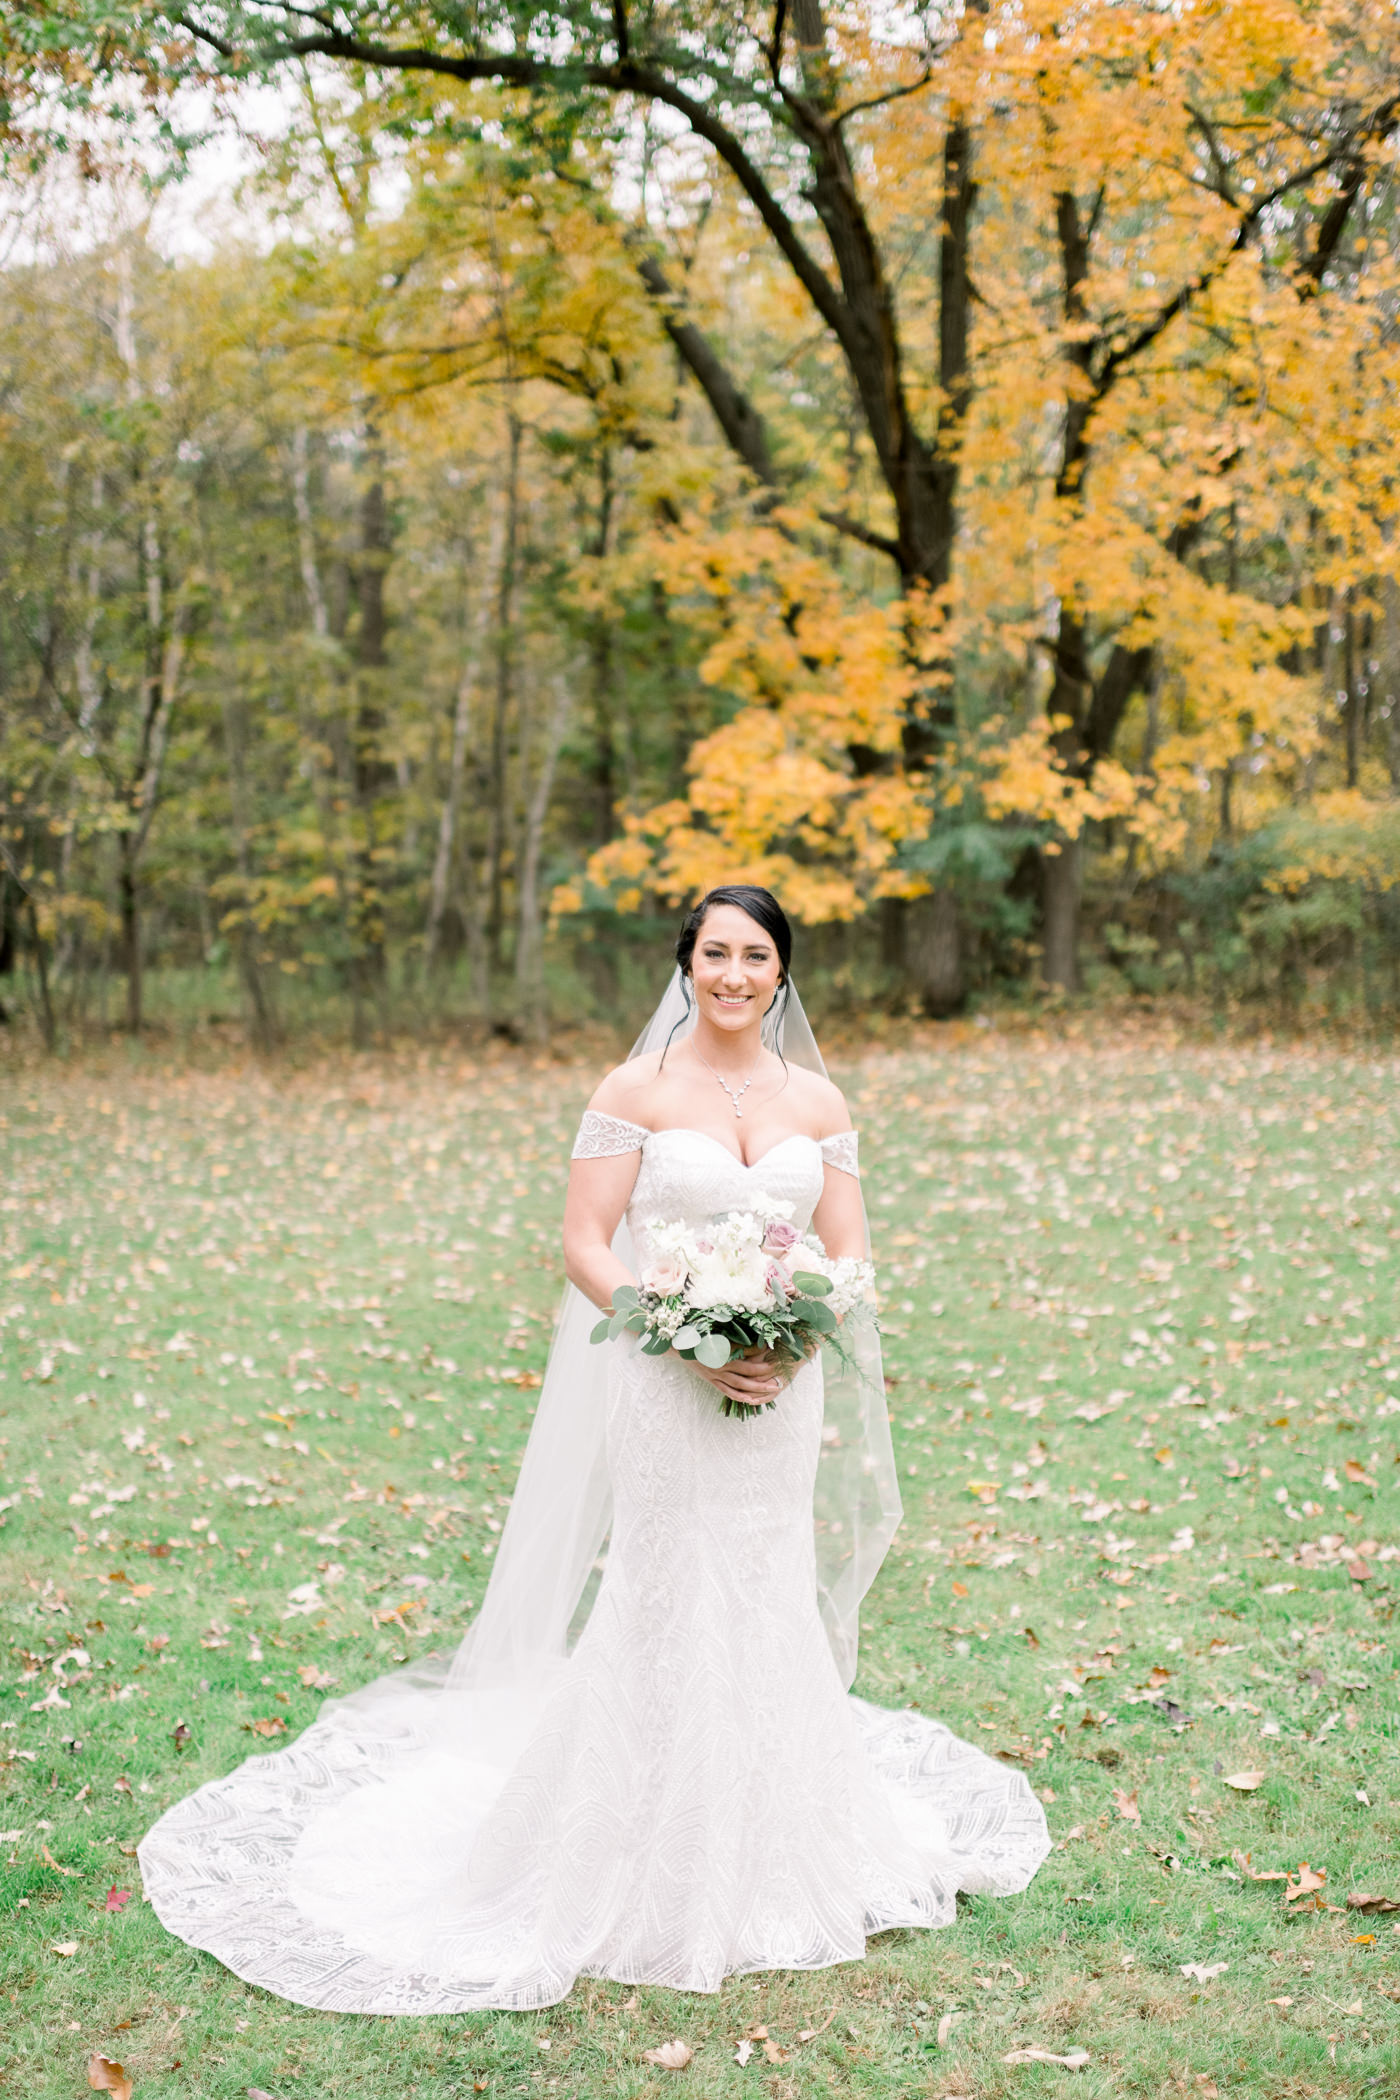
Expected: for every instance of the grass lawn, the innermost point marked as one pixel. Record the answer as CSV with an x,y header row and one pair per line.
x,y
268,1350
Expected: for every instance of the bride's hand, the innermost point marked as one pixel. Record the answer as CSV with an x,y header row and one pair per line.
x,y
751,1380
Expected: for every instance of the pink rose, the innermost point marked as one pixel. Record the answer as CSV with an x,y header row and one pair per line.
x,y
665,1276
779,1236
779,1282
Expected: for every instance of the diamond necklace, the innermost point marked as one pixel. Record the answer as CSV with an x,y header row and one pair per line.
x,y
736,1094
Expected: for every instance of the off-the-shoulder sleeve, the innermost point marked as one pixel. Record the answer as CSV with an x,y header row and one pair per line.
x,y
603,1137
841,1151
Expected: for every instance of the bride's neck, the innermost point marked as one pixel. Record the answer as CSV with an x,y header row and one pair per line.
x,y
728,1050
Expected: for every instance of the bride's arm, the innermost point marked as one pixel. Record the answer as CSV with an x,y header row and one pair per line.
x,y
597,1197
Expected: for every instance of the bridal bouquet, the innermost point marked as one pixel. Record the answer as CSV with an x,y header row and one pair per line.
x,y
747,1280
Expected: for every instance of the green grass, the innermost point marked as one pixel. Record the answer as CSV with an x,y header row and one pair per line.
x,y
258,1327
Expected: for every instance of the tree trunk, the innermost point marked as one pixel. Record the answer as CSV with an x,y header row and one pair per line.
x,y
449,817
41,971
1060,892
531,1008
497,812
935,954
264,1020
129,906
372,772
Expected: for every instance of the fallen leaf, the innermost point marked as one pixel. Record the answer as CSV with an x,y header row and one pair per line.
x,y
1203,1971
743,2052
671,2056
774,2054
180,1735
945,2027
960,1589
1127,1805
1307,1883
1245,1782
1280,2001
1074,2061
65,1947
1242,1860
255,2092
1359,1900
315,1678
50,1861
117,1899
271,1726
1356,1473
104,2076
1358,1571
1157,1676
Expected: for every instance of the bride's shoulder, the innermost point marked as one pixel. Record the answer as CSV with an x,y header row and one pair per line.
x,y
624,1090
822,1102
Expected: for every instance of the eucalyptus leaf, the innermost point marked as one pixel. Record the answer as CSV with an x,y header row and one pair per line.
x,y
687,1337
819,1316
812,1286
602,1332
712,1350
625,1294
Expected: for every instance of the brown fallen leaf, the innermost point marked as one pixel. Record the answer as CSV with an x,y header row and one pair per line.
x,y
1245,1782
809,2034
671,2056
180,1735
1281,2001
1242,1860
1127,1805
945,2027
50,1861
1359,1571
1356,1473
1307,1883
270,1726
1157,1676
315,1679
105,2076
1075,2060
774,2054
255,2092
1359,1900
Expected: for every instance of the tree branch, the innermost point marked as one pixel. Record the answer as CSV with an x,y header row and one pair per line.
x,y
1378,125
734,412
626,76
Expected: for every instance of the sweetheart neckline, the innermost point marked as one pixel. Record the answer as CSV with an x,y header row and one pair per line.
x,y
748,1165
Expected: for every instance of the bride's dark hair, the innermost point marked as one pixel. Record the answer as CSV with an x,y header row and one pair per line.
x,y
759,905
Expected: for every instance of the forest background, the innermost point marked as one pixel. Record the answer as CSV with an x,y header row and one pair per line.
x,y
936,462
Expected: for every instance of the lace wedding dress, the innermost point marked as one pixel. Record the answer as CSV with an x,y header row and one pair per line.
x,y
689,1793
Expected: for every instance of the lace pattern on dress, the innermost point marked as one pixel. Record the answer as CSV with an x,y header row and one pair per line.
x,y
603,1137
842,1151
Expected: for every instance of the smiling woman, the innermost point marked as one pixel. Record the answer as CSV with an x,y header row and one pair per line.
x,y
685,1790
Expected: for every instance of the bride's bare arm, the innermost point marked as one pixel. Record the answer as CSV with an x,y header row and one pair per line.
x,y
597,1197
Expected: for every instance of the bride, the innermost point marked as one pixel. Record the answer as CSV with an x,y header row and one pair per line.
x,y
646,1767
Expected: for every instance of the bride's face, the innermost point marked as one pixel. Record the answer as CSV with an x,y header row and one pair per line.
x,y
735,971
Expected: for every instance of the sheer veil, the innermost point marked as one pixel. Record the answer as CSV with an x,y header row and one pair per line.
x,y
550,1552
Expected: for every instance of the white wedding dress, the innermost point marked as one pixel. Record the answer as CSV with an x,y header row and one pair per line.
x,y
690,1793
